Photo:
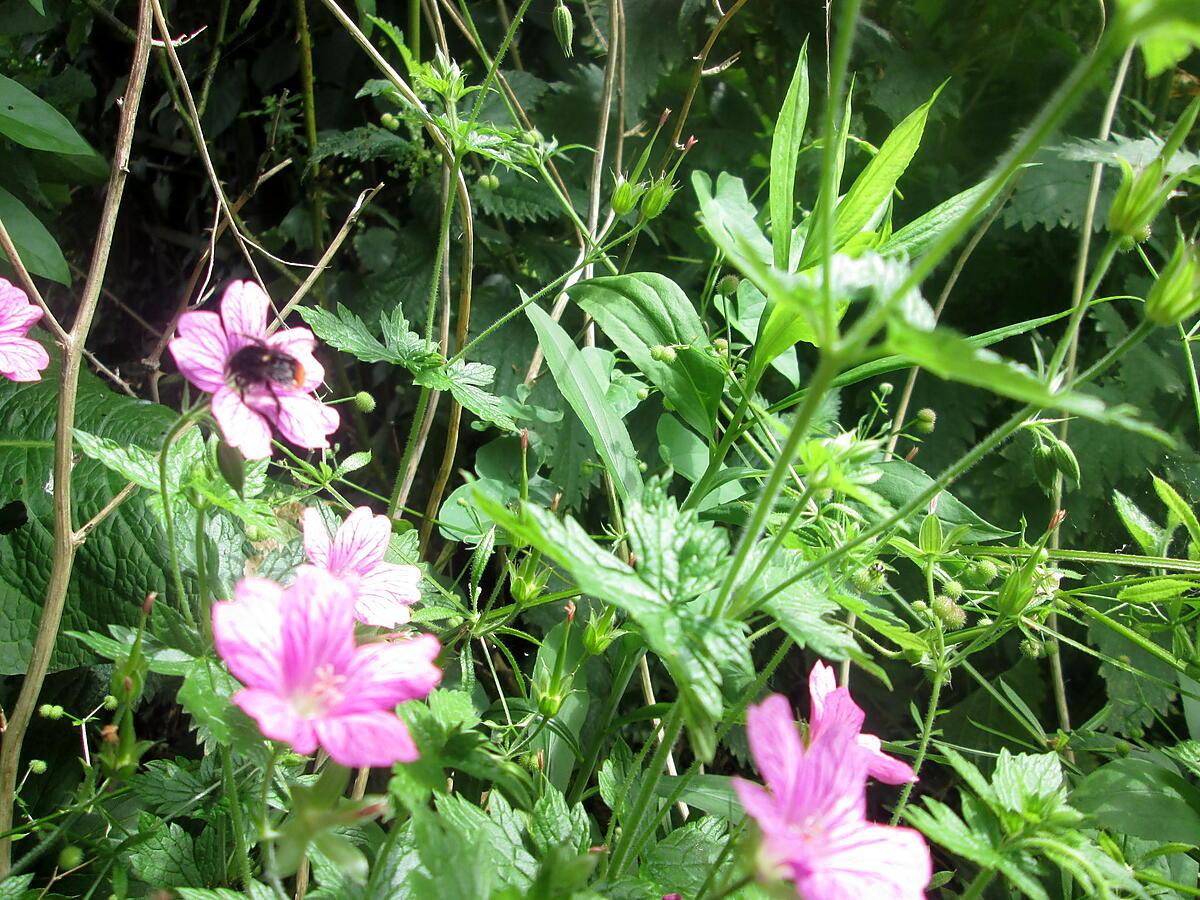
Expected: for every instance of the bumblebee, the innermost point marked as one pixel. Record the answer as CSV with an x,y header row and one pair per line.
x,y
260,365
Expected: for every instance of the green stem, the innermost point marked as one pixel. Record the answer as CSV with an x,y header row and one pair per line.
x,y
717,458
495,63
409,448
978,884
923,748
619,683
169,518
1068,339
622,854
414,29
235,815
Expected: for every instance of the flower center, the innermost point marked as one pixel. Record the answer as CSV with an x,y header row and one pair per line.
x,y
322,695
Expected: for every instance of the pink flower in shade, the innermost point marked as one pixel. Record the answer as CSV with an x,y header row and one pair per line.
x,y
832,705
812,814
21,357
385,590
307,683
257,380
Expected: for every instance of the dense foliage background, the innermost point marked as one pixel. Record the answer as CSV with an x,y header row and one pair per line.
x,y
297,124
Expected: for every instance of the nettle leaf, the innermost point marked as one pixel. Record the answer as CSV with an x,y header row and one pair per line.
x,y
676,553
167,858
519,199
123,559
1136,796
917,236
804,609
466,382
362,144
643,311
496,833
681,861
554,824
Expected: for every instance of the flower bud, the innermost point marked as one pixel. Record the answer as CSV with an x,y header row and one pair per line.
x,y
657,199
643,393
728,285
232,466
1065,461
1176,294
564,28
721,345
364,402
626,195
531,138
926,420
37,766
662,353
1137,201
1044,467
389,121
601,631
886,388
930,536
951,615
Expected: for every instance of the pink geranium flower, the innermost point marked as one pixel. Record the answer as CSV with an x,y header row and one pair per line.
x,y
812,814
831,706
257,380
307,683
385,590
21,357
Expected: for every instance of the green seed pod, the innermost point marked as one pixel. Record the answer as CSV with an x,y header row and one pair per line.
x,y
952,616
728,285
662,353
1065,461
626,195
44,710
1031,649
863,580
111,702
643,393
1044,466
232,466
657,199
1137,201
952,589
926,421
37,766
564,28
389,121
70,857
1176,294
365,402
531,138
721,345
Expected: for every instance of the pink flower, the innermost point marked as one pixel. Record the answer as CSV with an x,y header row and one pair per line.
x,y
812,814
256,380
385,590
831,706
21,357
307,683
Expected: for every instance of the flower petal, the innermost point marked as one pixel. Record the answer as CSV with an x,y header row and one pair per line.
x,y
366,739
386,593
302,419
821,683
22,358
838,708
248,636
775,745
299,344
17,314
318,626
864,861
241,426
316,538
759,805
276,719
385,674
200,350
882,767
360,542
244,309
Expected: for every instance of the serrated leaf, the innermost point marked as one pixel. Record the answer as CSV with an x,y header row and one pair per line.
x,y
922,232
466,382
167,858
554,825
681,861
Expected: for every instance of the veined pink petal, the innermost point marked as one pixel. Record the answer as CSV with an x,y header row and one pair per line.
x,y
17,314
821,683
360,542
882,767
301,418
864,861
276,719
200,349
22,358
240,425
759,805
386,593
838,707
380,676
244,309
366,739
318,627
316,538
247,632
299,344
775,745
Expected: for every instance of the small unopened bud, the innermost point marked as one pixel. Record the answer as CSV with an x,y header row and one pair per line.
x,y
721,346
389,121
690,143
951,615
364,402
532,137
728,285
564,28
488,182
109,734
926,421
570,610
1176,294
1031,648
55,712
1065,461
148,603
920,606
643,393
626,195
1137,201
37,766
663,353
952,589
657,199
666,114
111,702
886,389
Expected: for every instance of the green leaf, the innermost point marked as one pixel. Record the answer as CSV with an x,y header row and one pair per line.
x,y
730,222
917,236
347,332
1135,796
582,390
1028,783
492,835
554,825
466,382
1179,509
901,481
31,122
1149,537
681,861
785,149
167,858
643,311
713,794
677,554
874,186
139,464
805,611
35,245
